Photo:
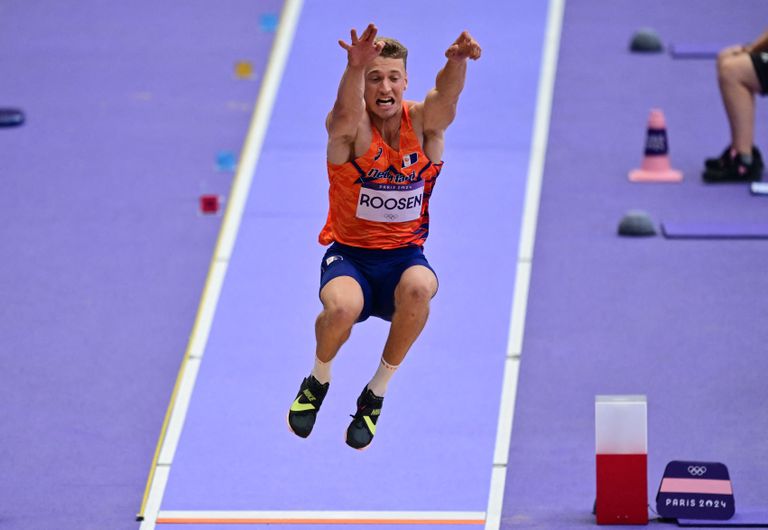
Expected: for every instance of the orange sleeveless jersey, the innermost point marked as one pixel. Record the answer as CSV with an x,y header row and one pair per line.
x,y
380,200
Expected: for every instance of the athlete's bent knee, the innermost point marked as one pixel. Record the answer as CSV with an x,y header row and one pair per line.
x,y
421,292
342,314
415,293
342,300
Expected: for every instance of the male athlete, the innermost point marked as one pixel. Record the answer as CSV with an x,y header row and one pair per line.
x,y
383,156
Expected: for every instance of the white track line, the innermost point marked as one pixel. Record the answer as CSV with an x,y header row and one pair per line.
x,y
318,517
180,407
227,235
525,259
541,127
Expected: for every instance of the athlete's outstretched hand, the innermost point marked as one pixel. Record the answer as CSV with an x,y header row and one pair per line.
x,y
363,50
465,47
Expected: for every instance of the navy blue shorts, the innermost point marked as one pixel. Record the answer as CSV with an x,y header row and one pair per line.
x,y
377,271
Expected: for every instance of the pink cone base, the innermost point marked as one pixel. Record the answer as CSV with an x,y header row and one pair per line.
x,y
642,175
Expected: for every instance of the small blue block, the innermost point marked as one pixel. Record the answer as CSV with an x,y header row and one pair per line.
x,y
268,22
11,117
226,161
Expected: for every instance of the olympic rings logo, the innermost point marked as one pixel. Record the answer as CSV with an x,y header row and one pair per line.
x,y
390,216
697,471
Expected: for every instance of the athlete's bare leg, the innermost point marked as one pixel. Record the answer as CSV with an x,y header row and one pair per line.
x,y
413,293
738,86
342,300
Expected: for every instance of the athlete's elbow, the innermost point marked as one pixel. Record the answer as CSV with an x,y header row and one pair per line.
x,y
341,137
434,133
345,116
435,128
341,127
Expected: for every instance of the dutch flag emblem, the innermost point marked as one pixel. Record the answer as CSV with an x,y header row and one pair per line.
x,y
409,160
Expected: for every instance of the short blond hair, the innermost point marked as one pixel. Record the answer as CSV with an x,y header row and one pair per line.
x,y
393,49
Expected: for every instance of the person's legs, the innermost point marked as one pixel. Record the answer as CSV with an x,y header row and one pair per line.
x,y
413,293
343,293
342,299
412,296
738,85
737,77
416,288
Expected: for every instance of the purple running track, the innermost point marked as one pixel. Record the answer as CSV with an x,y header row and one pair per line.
x,y
104,254
105,266
680,321
436,437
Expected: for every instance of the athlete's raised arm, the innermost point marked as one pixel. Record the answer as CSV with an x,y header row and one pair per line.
x,y
349,109
440,103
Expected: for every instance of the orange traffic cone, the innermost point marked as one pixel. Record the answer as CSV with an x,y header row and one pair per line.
x,y
656,166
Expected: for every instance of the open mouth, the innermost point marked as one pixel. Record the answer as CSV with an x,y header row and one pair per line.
x,y
385,102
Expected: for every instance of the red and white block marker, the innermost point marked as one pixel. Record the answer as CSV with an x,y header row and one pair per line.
x,y
622,459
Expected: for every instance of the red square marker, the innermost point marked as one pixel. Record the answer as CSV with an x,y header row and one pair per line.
x,y
622,489
210,204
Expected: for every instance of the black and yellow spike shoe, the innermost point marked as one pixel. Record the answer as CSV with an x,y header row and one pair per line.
x,y
362,429
303,412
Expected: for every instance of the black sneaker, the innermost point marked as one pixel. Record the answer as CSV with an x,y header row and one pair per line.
x,y
735,170
301,417
725,159
363,426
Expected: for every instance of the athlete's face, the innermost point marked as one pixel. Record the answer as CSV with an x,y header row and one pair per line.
x,y
385,82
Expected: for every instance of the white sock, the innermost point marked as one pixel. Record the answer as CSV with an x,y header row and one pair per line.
x,y
322,371
384,373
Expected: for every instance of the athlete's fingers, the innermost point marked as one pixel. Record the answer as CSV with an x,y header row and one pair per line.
x,y
369,33
462,38
467,46
372,31
344,45
353,33
469,50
